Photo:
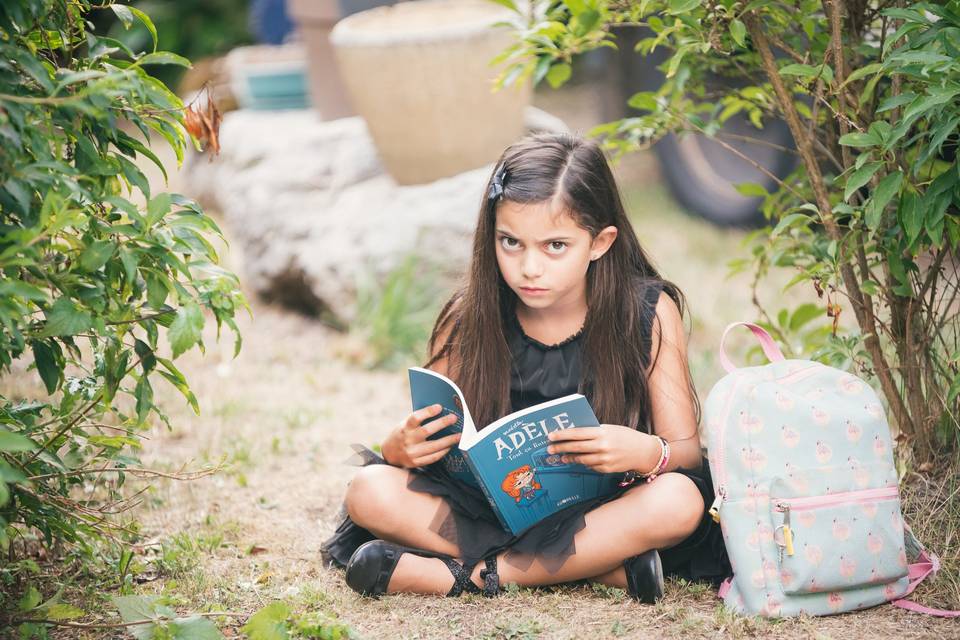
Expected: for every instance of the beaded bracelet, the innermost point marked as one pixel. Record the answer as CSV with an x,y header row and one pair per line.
x,y
630,476
662,463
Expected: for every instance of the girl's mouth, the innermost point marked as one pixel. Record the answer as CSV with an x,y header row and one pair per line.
x,y
532,291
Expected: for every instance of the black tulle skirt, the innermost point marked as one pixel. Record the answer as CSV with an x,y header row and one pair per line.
x,y
473,527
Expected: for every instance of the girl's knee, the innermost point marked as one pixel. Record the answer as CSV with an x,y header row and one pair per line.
x,y
681,502
371,492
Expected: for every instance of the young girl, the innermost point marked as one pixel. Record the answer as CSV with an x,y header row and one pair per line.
x,y
560,299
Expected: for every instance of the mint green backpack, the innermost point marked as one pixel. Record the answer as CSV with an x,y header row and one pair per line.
x,y
806,487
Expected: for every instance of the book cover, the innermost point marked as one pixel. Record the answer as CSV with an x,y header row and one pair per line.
x,y
508,459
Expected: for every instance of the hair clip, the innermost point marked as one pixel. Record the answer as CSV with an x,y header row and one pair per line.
x,y
496,185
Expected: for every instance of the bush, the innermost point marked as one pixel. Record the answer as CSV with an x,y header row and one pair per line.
x,y
90,281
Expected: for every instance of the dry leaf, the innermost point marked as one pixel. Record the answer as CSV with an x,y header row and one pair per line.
x,y
204,125
926,467
833,311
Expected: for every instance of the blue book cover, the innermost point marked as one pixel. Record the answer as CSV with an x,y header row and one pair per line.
x,y
508,459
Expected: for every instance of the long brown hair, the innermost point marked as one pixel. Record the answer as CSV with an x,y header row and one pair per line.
x,y
615,354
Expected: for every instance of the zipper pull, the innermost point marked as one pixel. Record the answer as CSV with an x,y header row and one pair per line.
x,y
714,510
787,532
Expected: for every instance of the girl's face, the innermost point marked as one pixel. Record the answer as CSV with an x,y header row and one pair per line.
x,y
543,254
523,479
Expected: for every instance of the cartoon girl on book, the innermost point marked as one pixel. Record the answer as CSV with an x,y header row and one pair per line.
x,y
521,484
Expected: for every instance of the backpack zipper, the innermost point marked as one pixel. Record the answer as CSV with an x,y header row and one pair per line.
x,y
714,510
845,497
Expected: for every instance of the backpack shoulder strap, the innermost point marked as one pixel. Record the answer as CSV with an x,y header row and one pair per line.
x,y
924,564
770,347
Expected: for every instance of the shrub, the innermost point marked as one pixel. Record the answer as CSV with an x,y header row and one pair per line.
x,y
90,280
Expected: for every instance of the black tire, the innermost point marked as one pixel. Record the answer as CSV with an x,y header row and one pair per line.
x,y
701,173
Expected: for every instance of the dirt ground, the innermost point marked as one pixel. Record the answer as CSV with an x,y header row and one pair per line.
x,y
281,417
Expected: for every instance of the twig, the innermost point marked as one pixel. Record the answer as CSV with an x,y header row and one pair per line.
x,y
122,625
193,475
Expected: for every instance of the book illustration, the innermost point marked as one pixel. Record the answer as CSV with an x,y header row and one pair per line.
x,y
521,484
508,459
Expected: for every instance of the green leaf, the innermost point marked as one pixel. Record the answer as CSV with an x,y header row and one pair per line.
x,y
144,395
164,57
888,187
29,600
582,24
96,255
148,23
61,611
543,65
130,262
156,290
895,101
66,319
558,74
804,314
13,442
911,218
269,623
174,377
870,287
859,140
137,609
194,628
738,32
46,360
790,221
862,72
860,177
9,474
148,359
682,6
157,208
751,190
123,12
186,329
808,71
644,100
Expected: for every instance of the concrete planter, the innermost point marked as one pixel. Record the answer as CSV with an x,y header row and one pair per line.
x,y
418,72
315,20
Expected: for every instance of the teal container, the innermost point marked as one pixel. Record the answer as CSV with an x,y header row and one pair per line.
x,y
269,78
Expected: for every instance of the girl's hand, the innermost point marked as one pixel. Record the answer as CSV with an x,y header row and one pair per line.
x,y
407,445
609,448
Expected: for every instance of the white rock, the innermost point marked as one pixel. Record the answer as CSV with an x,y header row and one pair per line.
x,y
314,211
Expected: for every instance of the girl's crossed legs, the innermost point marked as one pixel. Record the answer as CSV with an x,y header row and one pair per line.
x,y
647,516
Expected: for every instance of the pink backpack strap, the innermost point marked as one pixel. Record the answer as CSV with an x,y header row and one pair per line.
x,y
770,348
927,564
724,588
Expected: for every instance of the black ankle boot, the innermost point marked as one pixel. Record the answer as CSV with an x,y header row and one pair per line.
x,y
644,576
371,566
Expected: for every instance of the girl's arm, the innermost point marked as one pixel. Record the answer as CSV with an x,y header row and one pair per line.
x,y
615,448
672,406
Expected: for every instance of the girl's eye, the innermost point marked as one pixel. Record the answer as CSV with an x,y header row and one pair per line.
x,y
556,246
508,243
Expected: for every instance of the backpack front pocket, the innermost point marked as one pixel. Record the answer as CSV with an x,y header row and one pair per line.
x,y
840,540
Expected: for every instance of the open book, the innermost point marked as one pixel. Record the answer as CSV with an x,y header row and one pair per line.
x,y
508,458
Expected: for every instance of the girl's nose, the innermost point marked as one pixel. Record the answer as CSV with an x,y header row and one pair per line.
x,y
531,265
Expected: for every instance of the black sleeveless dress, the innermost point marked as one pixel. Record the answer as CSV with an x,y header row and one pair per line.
x,y
542,372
